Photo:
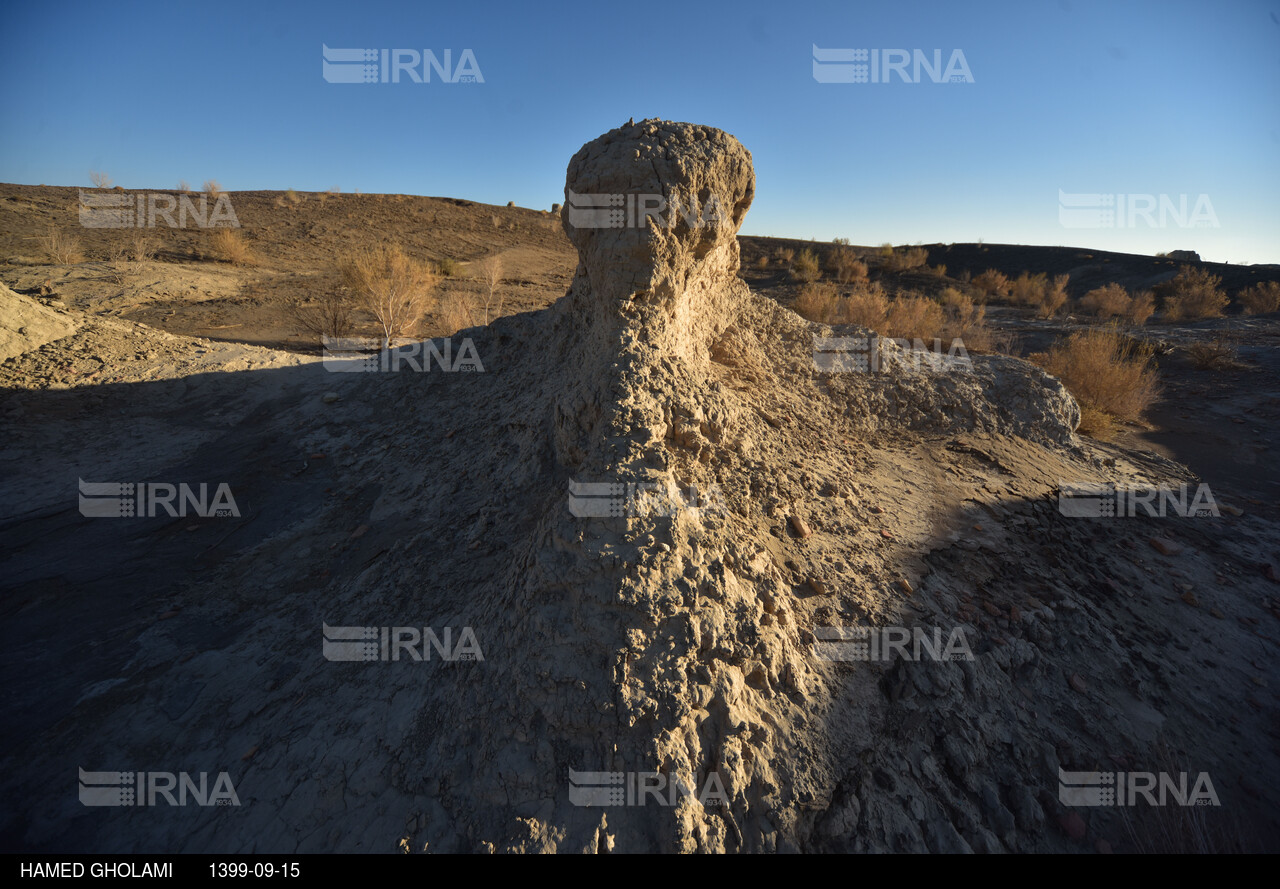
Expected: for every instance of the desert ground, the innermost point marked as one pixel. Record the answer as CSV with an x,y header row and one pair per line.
x,y
683,644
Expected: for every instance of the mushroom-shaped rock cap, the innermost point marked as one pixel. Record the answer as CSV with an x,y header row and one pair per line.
x,y
647,196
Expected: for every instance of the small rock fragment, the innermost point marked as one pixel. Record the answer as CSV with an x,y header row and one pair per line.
x,y
1165,546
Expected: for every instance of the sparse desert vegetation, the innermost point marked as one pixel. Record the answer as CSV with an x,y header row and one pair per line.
x,y
230,245
61,247
1111,376
1193,294
805,267
392,286
1261,299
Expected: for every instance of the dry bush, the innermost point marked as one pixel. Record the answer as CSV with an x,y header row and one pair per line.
x,y
784,255
447,268
762,263
867,305
1260,299
458,311
992,283
327,314
966,320
184,187
61,247
845,265
901,261
1053,297
938,270
141,248
1110,375
819,302
1193,294
805,268
490,303
391,285
1110,301
212,188
229,245
128,257
99,179
1142,305
914,317
292,197
1028,289
1216,354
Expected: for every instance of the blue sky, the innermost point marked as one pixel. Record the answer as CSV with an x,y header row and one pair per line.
x,y
1096,98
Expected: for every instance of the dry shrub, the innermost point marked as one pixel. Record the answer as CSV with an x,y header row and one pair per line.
x,y
1110,375
141,249
805,268
1193,294
184,187
489,271
1053,297
1261,298
1109,301
992,283
966,320
391,285
939,270
99,179
1216,354
845,265
447,268
901,261
762,263
1028,289
914,317
229,245
1113,301
212,188
326,314
867,305
61,247
1142,305
784,255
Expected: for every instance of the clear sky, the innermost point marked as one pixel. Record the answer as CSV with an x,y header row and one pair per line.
x,y
1115,97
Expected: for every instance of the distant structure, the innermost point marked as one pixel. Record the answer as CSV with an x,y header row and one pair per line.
x,y
1185,255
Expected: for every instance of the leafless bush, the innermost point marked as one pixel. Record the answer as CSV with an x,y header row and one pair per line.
x,y
61,247
391,285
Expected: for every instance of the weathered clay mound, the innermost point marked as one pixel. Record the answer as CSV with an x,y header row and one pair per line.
x,y
650,508
27,325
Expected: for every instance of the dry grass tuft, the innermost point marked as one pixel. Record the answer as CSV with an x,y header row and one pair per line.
x,y
230,245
